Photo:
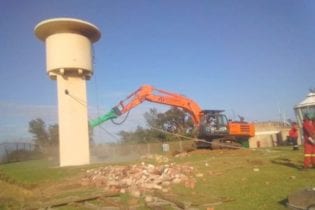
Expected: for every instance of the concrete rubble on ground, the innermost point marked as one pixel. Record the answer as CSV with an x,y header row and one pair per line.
x,y
140,178
155,157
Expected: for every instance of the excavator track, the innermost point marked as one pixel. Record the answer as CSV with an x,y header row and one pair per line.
x,y
227,142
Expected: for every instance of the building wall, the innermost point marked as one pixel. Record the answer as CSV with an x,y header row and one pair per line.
x,y
269,134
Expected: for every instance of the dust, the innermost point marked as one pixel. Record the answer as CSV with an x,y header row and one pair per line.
x,y
117,153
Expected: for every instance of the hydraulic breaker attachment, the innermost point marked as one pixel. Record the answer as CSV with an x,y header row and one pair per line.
x,y
112,114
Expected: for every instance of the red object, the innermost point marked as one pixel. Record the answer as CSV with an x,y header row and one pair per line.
x,y
293,136
293,133
309,146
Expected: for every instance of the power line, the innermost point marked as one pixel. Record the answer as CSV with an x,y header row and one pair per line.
x,y
109,133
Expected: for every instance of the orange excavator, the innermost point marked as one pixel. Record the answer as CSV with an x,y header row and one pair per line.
x,y
214,128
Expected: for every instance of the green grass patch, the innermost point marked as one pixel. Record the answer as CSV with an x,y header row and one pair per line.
x,y
258,179
231,179
35,172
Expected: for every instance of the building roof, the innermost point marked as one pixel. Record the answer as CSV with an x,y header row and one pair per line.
x,y
308,101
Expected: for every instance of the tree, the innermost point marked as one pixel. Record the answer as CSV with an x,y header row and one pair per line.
x,y
53,132
37,127
174,120
91,140
44,137
134,136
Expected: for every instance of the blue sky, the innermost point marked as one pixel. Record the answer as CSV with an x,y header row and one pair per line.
x,y
253,58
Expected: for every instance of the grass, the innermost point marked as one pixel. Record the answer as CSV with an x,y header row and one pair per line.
x,y
247,180
37,181
34,172
231,179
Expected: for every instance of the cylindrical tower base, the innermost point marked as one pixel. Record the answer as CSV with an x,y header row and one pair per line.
x,y
73,121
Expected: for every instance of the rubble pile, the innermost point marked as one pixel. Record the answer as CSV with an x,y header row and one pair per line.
x,y
139,177
155,157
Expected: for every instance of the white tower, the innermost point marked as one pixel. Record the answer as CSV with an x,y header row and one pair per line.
x,y
69,58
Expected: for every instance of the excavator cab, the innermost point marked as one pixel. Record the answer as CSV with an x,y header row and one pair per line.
x,y
216,128
214,124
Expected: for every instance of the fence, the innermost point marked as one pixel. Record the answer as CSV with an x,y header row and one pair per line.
x,y
129,152
7,148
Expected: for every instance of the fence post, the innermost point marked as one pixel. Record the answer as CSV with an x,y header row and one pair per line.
x,y
180,145
148,148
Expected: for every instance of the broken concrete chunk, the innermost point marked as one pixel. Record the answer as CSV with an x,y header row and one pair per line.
x,y
142,177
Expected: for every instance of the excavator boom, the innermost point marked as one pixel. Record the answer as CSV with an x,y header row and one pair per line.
x,y
213,126
149,93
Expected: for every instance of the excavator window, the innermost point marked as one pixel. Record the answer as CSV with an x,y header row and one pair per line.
x,y
222,120
215,123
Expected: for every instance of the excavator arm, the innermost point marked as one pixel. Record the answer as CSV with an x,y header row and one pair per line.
x,y
149,93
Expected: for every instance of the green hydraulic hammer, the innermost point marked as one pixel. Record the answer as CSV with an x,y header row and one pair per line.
x,y
112,114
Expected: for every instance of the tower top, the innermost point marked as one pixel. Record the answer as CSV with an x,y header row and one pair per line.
x,y
67,25
68,46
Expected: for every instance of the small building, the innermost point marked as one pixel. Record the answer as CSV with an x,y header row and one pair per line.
x,y
307,106
269,134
